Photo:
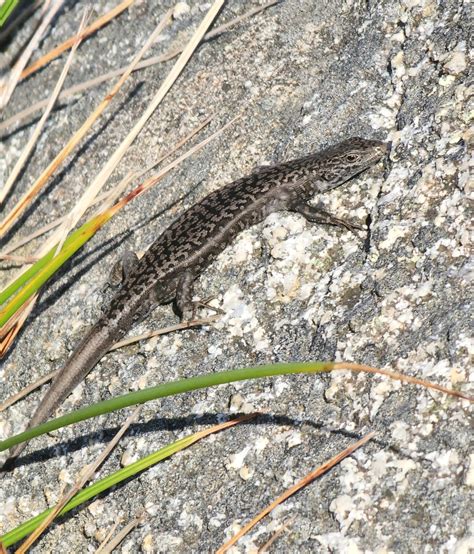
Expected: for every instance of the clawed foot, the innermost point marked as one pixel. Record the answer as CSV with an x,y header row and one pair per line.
x,y
189,313
317,215
352,227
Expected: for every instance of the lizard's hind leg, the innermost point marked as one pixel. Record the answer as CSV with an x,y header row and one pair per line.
x,y
185,304
119,272
122,268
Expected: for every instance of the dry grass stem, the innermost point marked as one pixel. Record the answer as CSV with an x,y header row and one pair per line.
x,y
164,331
80,87
401,377
117,522
39,127
113,161
82,34
295,488
283,527
74,140
87,475
111,545
14,76
27,390
9,331
110,199
19,259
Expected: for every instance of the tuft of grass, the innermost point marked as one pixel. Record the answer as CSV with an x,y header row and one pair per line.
x,y
180,387
115,478
76,138
153,60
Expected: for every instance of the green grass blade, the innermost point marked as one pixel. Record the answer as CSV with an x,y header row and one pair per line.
x,y
25,277
167,389
34,277
6,9
102,485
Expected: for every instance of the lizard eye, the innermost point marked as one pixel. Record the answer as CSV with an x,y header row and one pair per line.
x,y
351,157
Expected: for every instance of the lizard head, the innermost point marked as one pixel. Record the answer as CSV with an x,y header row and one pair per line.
x,y
349,158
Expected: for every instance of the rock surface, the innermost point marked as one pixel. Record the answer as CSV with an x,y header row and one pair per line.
x,y
303,74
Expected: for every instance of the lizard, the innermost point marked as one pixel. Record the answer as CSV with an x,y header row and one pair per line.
x,y
168,269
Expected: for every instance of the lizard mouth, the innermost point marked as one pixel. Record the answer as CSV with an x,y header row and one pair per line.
x,y
382,148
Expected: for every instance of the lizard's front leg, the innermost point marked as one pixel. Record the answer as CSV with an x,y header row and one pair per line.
x,y
317,215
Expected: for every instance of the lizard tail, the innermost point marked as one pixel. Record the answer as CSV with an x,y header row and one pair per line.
x,y
87,353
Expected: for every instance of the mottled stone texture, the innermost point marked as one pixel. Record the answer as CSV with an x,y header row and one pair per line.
x,y
303,75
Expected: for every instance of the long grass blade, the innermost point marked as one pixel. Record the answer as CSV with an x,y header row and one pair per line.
x,y
39,127
204,381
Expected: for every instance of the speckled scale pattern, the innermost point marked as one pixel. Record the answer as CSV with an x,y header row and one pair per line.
x,y
195,239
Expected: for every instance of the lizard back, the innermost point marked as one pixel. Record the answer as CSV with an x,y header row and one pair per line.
x,y
198,235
